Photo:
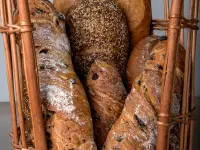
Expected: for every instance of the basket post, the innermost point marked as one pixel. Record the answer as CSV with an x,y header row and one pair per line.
x,y
194,35
9,73
168,75
31,76
182,30
16,73
166,11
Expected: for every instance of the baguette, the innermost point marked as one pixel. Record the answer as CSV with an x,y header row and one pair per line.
x,y
107,95
65,107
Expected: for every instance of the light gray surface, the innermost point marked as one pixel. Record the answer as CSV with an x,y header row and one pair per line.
x,y
5,126
3,79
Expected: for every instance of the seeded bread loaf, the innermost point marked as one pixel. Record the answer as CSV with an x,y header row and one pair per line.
x,y
65,107
98,30
138,15
107,95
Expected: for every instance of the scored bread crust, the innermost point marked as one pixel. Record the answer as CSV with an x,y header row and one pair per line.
x,y
138,15
98,30
107,95
65,107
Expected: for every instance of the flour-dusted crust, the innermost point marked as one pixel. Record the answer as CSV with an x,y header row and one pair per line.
x,y
98,30
65,107
107,95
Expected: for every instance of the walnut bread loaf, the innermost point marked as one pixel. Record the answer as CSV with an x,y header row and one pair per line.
x,y
107,95
138,15
146,86
136,127
138,58
149,82
98,30
65,107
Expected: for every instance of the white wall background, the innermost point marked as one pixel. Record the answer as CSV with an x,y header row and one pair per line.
x,y
157,7
3,79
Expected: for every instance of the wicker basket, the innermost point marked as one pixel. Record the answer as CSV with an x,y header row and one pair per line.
x,y
175,26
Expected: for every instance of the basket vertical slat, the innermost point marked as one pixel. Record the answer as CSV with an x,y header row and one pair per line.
x,y
9,75
31,76
166,17
194,35
166,11
187,83
168,75
182,30
16,75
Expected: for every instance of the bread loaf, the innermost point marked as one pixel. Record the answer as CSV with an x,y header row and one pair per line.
x,y
65,107
63,6
146,89
107,95
149,82
98,30
138,15
136,127
138,58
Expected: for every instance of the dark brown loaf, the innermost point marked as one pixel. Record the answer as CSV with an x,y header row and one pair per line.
x,y
65,107
107,95
136,127
138,15
98,30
